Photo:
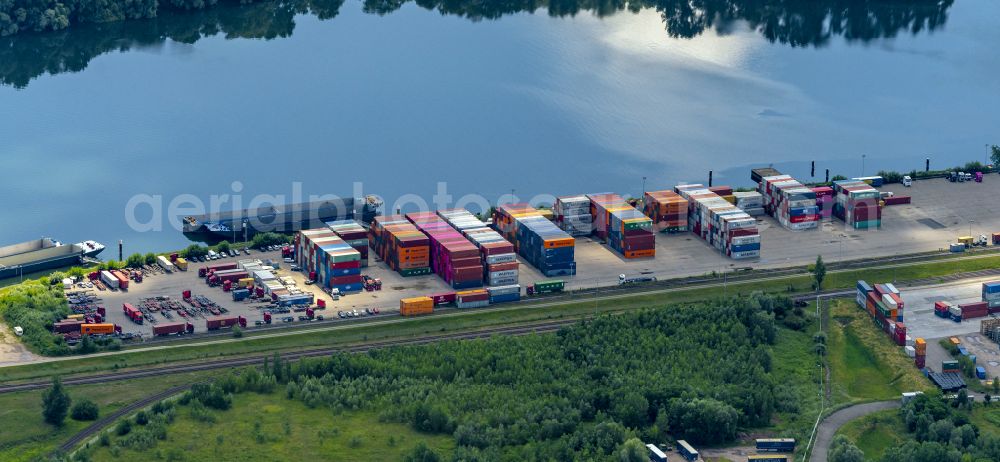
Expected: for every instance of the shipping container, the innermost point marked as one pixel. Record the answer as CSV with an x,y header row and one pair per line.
x,y
181,264
400,245
122,278
776,444
476,298
164,263
416,306
132,313
668,211
496,254
790,202
99,329
687,451
857,204
354,235
109,279
67,326
572,215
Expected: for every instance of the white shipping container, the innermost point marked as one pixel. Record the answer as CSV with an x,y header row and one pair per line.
x,y
744,240
503,274
109,279
889,302
892,288
478,304
502,281
910,351
507,258
909,340
504,290
165,264
746,254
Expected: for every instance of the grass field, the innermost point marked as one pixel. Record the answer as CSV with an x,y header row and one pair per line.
x,y
865,365
292,432
581,306
875,433
25,435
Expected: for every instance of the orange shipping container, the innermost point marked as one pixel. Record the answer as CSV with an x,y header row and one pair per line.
x,y
416,305
955,341
557,243
96,329
640,253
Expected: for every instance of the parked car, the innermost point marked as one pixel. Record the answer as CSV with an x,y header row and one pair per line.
x,y
356,313
375,310
341,314
233,252
246,250
289,260
287,319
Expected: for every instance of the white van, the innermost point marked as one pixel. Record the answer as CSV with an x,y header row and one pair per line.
x,y
18,331
907,181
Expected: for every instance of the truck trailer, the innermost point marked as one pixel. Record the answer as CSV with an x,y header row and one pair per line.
x,y
219,322
173,328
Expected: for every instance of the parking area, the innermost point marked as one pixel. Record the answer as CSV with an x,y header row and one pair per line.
x,y
921,322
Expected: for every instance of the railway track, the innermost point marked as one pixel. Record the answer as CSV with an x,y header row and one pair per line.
x,y
549,326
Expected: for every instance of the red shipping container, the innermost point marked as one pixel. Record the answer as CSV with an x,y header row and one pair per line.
x,y
920,361
510,266
345,265
469,273
342,280
742,232
443,298
940,306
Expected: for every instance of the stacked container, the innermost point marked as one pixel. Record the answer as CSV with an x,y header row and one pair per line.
x,y
824,200
400,245
500,294
354,235
667,209
329,260
572,214
496,254
920,353
885,306
991,295
751,202
789,201
536,239
727,228
477,298
453,257
857,203
626,229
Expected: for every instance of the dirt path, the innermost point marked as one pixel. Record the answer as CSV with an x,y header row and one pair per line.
x,y
829,426
13,351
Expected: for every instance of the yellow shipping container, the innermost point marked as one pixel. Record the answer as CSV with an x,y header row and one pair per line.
x,y
246,282
75,316
955,341
181,264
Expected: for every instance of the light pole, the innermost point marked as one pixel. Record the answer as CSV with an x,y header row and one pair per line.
x,y
970,226
643,197
863,164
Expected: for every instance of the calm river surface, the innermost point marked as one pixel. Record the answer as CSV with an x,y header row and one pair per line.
x,y
569,98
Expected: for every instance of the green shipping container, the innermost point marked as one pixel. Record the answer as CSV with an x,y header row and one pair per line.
x,y
414,271
549,286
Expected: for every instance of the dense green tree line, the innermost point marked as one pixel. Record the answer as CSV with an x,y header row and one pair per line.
x,y
940,431
699,372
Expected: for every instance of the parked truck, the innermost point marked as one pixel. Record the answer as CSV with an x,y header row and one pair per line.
x,y
230,276
164,263
173,328
181,264
219,322
206,270
541,287
132,313
627,280
109,279
66,326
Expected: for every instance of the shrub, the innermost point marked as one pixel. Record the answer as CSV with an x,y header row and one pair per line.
x,y
142,418
84,409
124,427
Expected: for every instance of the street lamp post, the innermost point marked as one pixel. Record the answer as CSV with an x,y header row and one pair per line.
x,y
863,164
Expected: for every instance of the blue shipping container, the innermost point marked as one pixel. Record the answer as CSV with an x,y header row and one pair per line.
x,y
344,288
505,298
864,287
745,247
980,372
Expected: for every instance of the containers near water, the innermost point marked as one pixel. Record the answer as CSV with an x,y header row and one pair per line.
x,y
858,204
453,257
751,202
328,260
400,245
668,210
354,235
730,230
496,254
572,214
824,200
626,229
539,241
788,201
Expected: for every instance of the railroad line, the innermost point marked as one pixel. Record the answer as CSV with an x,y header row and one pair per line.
x,y
549,326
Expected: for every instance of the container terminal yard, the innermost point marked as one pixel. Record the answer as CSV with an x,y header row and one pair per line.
x,y
456,259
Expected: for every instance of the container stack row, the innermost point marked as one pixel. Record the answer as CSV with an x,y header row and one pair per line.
x,y
499,261
787,200
751,202
727,228
400,245
539,241
572,214
329,260
476,298
825,201
627,230
354,235
857,203
667,209
884,305
453,257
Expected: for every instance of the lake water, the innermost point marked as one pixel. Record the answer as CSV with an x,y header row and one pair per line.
x,y
570,99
